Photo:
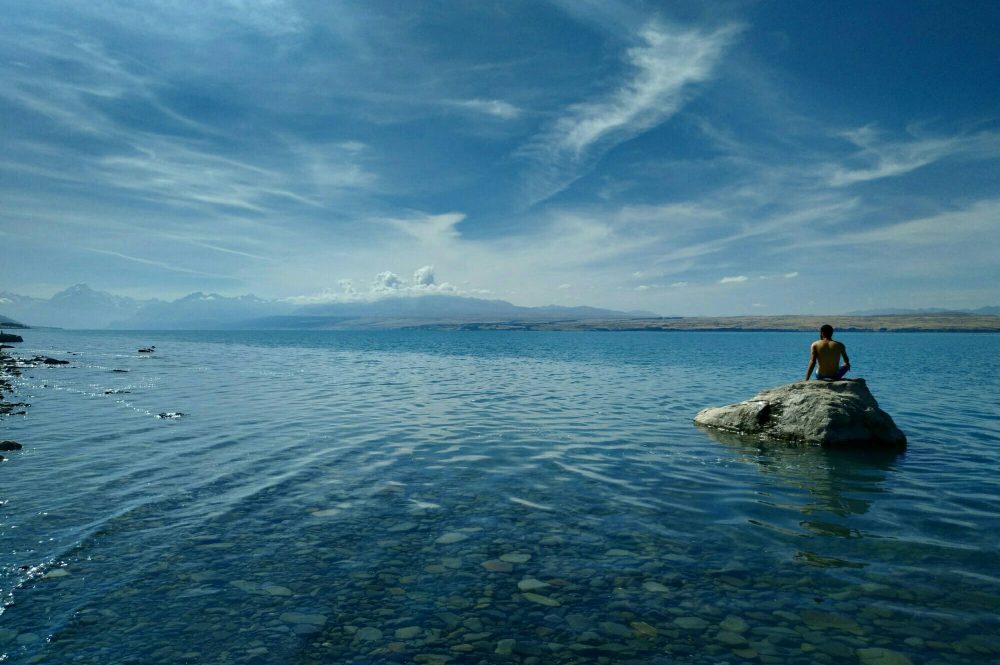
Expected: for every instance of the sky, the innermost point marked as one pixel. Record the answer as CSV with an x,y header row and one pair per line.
x,y
681,158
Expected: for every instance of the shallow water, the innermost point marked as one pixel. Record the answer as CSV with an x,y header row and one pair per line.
x,y
331,497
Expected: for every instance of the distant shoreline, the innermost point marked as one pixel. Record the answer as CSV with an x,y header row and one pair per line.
x,y
886,323
980,323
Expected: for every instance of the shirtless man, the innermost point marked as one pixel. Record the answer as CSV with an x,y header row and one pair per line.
x,y
828,353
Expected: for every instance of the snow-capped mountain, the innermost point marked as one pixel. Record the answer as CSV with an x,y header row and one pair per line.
x,y
79,306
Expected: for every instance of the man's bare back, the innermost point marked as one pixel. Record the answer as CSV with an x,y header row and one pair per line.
x,y
827,353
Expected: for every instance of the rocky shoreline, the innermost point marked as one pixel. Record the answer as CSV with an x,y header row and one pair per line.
x,y
10,368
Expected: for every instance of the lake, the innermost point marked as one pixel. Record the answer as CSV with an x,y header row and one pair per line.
x,y
507,497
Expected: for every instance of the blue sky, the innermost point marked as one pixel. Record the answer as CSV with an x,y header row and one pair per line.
x,y
684,158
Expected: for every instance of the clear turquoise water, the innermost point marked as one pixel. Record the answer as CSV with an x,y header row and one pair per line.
x,y
333,497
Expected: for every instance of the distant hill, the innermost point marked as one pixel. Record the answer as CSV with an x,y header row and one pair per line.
x,y
896,311
10,323
449,307
200,311
419,310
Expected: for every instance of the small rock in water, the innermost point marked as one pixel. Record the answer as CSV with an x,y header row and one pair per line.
x,y
615,629
541,600
299,617
402,526
877,656
515,557
655,587
505,647
643,629
58,572
10,445
170,414
497,566
451,537
691,623
368,634
734,624
408,633
531,584
730,639
120,371
821,620
326,512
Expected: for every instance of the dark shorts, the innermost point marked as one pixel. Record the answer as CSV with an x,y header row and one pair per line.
x,y
839,375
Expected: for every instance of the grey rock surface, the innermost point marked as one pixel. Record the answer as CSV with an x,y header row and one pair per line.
x,y
824,412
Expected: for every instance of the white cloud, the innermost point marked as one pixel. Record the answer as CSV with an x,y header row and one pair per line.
x,y
424,276
878,158
493,107
384,284
429,229
150,262
664,64
733,280
386,281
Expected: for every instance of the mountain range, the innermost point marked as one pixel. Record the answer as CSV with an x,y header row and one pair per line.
x,y
81,307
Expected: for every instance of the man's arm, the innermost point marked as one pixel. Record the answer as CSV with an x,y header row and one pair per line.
x,y
812,361
843,352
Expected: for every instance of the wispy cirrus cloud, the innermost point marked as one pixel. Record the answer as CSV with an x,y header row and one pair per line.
x,y
151,262
878,158
493,107
660,72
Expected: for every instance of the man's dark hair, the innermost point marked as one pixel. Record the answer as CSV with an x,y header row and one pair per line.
x,y
826,332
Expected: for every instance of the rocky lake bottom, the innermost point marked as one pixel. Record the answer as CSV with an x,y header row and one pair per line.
x,y
488,497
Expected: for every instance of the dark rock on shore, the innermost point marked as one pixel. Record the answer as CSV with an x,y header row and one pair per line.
x,y
824,412
7,337
10,445
51,361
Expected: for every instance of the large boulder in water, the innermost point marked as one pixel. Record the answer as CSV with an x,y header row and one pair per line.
x,y
825,412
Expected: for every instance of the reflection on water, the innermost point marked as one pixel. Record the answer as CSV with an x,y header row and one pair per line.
x,y
835,483
509,498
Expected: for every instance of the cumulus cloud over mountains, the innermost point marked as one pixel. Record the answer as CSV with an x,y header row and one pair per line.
x,y
384,284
